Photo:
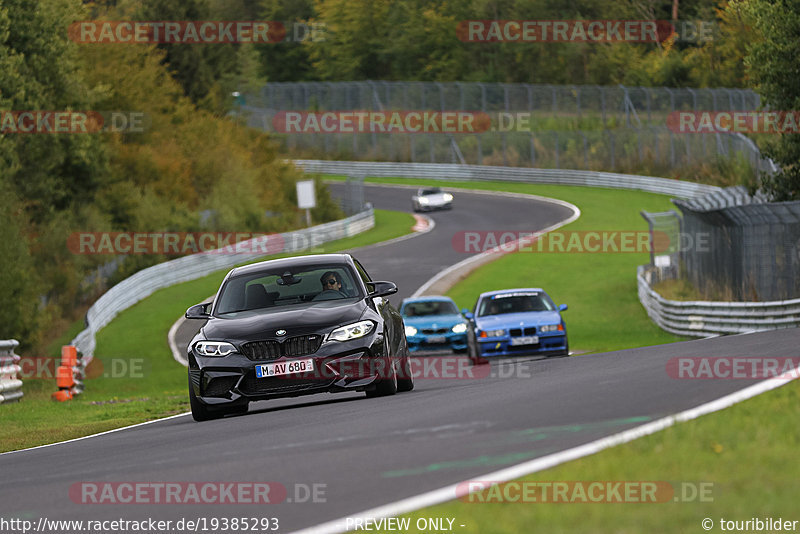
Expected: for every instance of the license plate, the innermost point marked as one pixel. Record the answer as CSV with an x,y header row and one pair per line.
x,y
267,370
525,340
437,339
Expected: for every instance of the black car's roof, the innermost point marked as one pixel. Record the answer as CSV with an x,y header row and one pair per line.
x,y
295,261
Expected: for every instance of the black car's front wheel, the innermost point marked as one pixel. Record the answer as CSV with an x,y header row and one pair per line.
x,y
406,380
387,379
202,412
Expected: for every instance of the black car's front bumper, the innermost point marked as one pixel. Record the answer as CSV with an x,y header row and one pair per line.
x,y
354,365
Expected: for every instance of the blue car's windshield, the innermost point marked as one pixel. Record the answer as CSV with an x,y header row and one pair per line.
x,y
515,303
421,309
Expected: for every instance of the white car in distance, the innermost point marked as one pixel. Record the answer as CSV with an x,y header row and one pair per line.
x,y
431,198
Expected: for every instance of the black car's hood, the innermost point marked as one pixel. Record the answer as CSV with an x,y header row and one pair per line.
x,y
296,320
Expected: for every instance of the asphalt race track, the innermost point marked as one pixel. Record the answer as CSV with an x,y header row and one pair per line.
x,y
362,453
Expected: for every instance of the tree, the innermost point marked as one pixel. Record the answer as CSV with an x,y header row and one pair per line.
x,y
773,61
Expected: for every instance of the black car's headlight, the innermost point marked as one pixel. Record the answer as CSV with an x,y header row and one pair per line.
x,y
351,331
213,348
550,328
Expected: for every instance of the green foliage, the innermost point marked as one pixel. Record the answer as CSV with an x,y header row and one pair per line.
x,y
773,61
186,162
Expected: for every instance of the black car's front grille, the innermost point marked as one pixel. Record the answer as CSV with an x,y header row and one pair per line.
x,y
262,350
220,387
434,330
528,331
302,345
272,349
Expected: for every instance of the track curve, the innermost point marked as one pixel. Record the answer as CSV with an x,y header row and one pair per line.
x,y
367,452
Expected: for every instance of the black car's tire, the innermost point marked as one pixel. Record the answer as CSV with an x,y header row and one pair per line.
x,y
201,412
406,380
385,386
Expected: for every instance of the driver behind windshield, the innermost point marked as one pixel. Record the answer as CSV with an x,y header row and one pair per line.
x,y
330,281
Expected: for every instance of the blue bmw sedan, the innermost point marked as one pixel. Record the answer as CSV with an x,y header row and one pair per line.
x,y
517,321
434,323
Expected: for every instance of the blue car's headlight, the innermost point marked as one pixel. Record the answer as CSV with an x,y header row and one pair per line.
x,y
351,331
460,328
411,331
492,333
551,328
213,348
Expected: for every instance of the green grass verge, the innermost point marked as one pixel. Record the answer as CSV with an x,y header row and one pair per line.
x,y
600,288
135,378
747,459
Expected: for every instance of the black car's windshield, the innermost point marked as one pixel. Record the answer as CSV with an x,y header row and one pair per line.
x,y
286,287
515,303
432,307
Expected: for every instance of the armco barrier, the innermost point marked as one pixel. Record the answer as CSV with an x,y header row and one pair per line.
x,y
145,282
441,171
10,385
706,318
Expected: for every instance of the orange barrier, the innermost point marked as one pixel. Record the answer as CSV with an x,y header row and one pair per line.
x,y
67,375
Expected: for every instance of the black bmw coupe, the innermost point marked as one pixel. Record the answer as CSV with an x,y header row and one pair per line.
x,y
295,326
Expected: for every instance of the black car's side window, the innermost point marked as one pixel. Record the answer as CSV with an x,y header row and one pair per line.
x,y
364,276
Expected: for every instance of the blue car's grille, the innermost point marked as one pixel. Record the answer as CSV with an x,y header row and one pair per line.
x,y
528,331
272,349
434,330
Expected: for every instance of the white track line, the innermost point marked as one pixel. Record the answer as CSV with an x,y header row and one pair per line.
x,y
98,434
454,491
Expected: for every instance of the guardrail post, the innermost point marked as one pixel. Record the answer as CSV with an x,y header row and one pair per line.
x,y
10,385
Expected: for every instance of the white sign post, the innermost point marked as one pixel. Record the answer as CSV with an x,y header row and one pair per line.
x,y
306,199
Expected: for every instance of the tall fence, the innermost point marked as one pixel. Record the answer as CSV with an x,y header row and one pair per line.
x,y
572,127
10,385
751,250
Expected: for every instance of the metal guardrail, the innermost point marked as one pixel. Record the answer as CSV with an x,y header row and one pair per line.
x,y
706,318
442,171
147,281
10,385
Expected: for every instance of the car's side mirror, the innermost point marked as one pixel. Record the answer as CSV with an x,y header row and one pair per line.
x,y
381,289
467,314
562,307
199,311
